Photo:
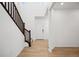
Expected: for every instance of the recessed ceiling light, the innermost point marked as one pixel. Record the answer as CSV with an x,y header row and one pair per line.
x,y
61,3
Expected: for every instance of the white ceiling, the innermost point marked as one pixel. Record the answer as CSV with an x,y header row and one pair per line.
x,y
35,8
66,5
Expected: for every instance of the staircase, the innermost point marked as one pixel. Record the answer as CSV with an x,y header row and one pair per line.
x,y
39,48
13,12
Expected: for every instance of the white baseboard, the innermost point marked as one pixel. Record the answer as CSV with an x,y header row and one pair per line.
x,y
50,50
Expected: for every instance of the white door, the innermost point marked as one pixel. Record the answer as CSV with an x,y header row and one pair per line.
x,y
40,29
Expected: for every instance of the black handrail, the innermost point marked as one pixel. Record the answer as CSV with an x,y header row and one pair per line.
x,y
28,37
14,14
12,10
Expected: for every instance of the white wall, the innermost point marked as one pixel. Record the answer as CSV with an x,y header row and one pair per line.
x,y
11,38
41,23
65,28
51,31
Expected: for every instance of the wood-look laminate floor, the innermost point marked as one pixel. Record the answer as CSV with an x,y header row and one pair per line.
x,y
65,52
40,49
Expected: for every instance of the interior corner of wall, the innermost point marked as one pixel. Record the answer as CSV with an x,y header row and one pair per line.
x,y
50,49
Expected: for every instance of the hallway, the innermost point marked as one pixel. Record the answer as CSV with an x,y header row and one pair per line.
x,y
49,29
